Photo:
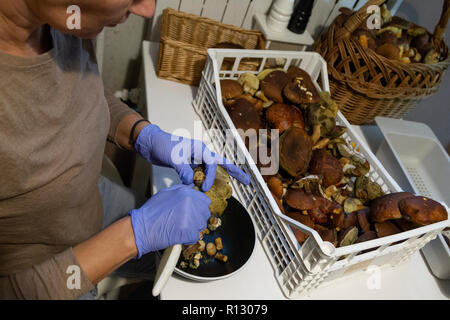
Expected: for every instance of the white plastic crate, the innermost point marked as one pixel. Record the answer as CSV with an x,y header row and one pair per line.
x,y
298,269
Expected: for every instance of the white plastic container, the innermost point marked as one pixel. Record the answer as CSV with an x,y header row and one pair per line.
x,y
414,153
298,269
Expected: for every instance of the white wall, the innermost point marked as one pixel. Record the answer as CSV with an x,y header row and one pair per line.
x,y
122,53
435,110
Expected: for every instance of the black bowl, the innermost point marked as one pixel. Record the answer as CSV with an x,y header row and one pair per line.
x,y
238,238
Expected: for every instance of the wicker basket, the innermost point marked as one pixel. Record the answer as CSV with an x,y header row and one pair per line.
x,y
186,37
366,84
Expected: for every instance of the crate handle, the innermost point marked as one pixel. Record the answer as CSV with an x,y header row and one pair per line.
x,y
355,20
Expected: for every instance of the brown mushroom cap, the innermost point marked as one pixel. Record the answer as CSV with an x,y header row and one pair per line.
x,y
273,84
300,88
399,22
318,215
385,229
388,37
366,236
324,164
280,206
282,116
367,39
244,115
275,185
351,219
337,220
363,220
386,207
303,219
420,40
329,235
422,210
295,147
389,51
247,119
405,225
230,89
299,200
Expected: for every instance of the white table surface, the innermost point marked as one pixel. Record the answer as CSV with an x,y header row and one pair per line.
x,y
169,105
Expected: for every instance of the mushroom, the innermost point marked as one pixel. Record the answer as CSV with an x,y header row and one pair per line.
x,y
324,164
218,243
303,219
199,176
299,200
386,207
244,115
323,113
422,210
295,150
273,84
214,222
329,235
353,204
389,51
249,82
275,185
399,23
219,192
366,38
188,251
257,103
431,57
385,229
211,249
348,236
385,14
366,189
194,261
318,216
420,42
221,257
366,236
363,220
230,89
266,72
282,116
300,88
405,225
337,220
246,118
278,202
350,220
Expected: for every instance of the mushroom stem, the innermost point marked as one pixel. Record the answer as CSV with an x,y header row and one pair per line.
x,y
321,144
316,133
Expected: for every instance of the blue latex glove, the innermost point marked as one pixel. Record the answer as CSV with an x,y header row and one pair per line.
x,y
163,149
172,216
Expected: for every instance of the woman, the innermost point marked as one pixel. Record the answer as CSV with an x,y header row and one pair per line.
x,y
55,118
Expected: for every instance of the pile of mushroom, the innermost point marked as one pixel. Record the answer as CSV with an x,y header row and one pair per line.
x,y
323,182
399,39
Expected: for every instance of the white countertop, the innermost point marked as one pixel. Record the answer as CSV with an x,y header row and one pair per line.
x,y
170,106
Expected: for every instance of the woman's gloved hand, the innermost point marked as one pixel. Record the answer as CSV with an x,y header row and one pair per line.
x,y
163,149
172,216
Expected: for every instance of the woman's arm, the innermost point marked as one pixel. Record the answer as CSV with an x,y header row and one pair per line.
x,y
73,272
122,120
124,130
107,250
